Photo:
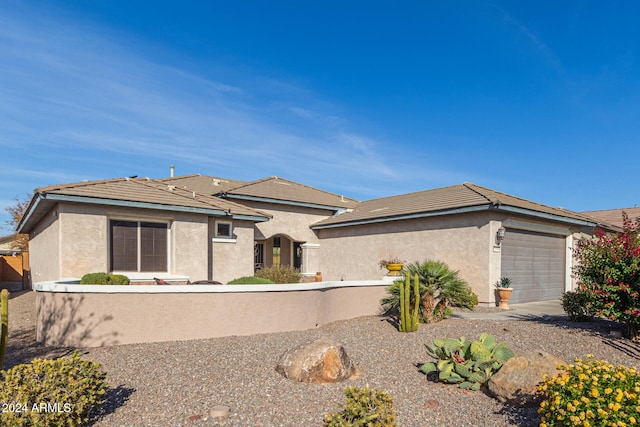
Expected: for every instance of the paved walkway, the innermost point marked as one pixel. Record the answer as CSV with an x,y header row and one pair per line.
x,y
525,311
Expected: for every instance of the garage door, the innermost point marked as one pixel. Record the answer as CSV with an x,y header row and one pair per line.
x,y
536,263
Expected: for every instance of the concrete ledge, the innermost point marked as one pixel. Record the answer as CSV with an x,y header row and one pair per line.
x,y
76,315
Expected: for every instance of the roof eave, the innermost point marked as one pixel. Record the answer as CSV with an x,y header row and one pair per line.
x,y
544,215
466,209
403,217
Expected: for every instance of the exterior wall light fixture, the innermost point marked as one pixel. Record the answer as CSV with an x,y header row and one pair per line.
x,y
500,235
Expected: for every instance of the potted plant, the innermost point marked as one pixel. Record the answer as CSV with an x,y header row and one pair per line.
x,y
394,265
503,286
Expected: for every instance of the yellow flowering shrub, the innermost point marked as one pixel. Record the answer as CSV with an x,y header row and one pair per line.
x,y
591,393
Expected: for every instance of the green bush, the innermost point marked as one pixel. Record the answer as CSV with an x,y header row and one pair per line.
x,y
591,393
104,279
609,267
251,280
440,287
468,363
365,407
51,393
280,274
577,305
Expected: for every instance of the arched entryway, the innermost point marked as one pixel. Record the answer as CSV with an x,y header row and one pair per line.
x,y
279,249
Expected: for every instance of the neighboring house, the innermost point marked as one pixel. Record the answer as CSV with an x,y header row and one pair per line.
x,y
201,227
13,261
614,216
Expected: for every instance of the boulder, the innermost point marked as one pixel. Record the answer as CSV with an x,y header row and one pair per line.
x,y
321,361
516,383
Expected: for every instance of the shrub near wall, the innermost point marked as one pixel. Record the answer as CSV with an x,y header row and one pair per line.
x,y
280,274
51,393
104,279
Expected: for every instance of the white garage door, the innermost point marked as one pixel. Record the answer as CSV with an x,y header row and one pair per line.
x,y
536,264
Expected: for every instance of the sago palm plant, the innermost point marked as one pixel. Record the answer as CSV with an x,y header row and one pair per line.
x,y
440,288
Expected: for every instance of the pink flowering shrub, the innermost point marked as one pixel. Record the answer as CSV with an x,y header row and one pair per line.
x,y
609,268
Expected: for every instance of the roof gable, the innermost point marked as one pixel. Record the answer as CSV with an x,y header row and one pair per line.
x,y
275,189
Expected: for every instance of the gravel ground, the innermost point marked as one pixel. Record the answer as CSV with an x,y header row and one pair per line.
x,y
178,383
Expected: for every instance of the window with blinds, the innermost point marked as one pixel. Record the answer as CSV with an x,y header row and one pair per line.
x,y
138,246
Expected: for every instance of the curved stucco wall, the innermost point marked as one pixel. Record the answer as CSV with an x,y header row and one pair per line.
x,y
95,315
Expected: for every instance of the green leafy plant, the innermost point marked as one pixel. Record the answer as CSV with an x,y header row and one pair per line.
x,y
504,282
280,274
609,267
366,408
467,363
47,392
104,279
578,306
251,280
4,302
440,287
591,393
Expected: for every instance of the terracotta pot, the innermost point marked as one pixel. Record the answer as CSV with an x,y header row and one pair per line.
x,y
504,294
394,269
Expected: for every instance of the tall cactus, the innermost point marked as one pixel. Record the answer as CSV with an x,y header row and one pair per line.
x,y
4,296
409,318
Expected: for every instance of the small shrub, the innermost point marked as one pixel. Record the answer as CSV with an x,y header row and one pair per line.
x,y
365,407
251,280
468,363
280,274
577,305
104,279
118,279
95,279
591,393
47,392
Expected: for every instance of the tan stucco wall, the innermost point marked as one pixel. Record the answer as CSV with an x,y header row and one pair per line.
x,y
233,258
98,319
44,249
74,240
292,221
462,241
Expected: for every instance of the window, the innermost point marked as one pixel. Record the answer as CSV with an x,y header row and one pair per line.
x,y
224,229
138,246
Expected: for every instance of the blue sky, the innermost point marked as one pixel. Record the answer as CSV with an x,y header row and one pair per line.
x,y
366,99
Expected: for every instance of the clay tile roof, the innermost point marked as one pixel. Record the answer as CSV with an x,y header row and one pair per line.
x,y
614,216
276,188
148,192
203,184
445,200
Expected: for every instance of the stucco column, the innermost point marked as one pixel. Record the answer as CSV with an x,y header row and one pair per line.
x,y
310,259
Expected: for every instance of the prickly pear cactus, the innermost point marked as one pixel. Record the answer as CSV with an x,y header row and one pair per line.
x,y
467,363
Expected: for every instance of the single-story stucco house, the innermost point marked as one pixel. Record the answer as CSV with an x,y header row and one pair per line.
x,y
208,228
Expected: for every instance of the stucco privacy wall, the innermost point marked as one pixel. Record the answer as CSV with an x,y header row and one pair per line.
x,y
462,241
79,239
71,317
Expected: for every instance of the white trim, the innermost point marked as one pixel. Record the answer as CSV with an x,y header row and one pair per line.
x,y
568,263
72,286
223,240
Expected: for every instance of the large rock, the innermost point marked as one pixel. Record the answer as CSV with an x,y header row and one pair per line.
x,y
321,361
516,383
